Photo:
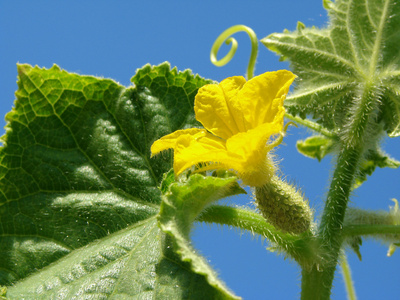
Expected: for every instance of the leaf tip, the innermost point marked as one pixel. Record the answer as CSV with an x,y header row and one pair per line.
x,y
327,4
300,26
23,69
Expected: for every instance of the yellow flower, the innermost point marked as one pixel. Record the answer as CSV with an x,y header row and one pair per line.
x,y
239,118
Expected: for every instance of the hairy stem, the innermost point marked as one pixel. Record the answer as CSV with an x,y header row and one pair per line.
x,y
299,247
373,229
317,283
312,125
358,133
244,219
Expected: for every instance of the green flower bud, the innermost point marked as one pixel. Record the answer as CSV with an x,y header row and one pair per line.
x,y
283,206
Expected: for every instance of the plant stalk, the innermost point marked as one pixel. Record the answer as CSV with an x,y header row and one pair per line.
x,y
317,283
371,230
348,281
359,131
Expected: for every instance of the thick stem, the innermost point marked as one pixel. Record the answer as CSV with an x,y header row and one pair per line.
x,y
317,283
311,284
359,131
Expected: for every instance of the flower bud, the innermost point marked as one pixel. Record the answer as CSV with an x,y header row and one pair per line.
x,y
283,206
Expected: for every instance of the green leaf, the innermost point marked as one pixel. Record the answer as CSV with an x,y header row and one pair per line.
x,y
3,292
380,225
374,158
315,146
338,66
104,267
355,244
318,146
137,262
79,193
173,90
180,207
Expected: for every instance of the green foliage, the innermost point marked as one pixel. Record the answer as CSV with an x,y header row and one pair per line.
x,y
357,219
182,203
3,292
315,146
319,146
86,213
374,158
79,192
349,83
354,57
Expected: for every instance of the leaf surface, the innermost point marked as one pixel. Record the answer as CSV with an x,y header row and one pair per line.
x,y
79,193
315,146
182,204
356,54
374,158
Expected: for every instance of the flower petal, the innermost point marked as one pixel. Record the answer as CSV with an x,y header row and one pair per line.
x,y
190,151
245,153
254,167
261,98
212,107
231,87
169,141
241,117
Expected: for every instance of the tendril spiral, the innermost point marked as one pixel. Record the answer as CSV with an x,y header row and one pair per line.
x,y
226,37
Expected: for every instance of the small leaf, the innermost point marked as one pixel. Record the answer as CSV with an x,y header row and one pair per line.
x,y
392,249
315,146
179,209
368,219
168,179
355,243
374,158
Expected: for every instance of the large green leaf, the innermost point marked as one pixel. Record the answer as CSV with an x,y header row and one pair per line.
x,y
355,58
79,193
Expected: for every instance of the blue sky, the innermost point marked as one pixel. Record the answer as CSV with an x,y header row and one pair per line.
x,y
113,38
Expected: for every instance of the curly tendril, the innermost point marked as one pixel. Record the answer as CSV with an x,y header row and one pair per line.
x,y
226,36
